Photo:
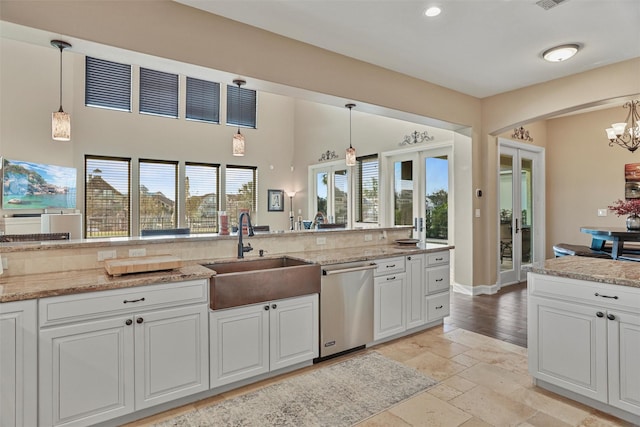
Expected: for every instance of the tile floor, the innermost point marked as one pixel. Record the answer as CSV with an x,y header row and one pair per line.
x,y
482,382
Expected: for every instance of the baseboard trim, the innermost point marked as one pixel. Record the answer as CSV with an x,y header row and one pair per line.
x,y
475,290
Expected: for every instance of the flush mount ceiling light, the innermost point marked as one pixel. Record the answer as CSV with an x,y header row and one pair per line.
x,y
238,138
560,53
60,121
625,134
350,156
432,11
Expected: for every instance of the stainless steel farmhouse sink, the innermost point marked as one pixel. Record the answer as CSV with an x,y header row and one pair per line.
x,y
257,280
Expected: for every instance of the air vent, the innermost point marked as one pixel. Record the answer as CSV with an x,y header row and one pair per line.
x,y
549,4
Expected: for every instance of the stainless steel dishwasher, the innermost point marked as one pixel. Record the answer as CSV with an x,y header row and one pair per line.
x,y
346,307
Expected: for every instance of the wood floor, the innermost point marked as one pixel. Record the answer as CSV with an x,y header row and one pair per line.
x,y
502,315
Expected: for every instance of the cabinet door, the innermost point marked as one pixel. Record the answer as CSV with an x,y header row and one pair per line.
x,y
171,351
624,357
415,291
239,345
293,325
18,364
568,346
389,305
86,372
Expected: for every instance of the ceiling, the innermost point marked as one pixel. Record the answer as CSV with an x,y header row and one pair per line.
x,y
477,47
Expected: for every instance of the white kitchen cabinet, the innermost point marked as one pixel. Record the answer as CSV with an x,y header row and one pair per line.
x,y
18,363
437,280
584,337
415,303
95,366
389,310
410,292
252,340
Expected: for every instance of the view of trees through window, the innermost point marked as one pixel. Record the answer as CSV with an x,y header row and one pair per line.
x,y
107,188
201,191
158,189
437,198
240,191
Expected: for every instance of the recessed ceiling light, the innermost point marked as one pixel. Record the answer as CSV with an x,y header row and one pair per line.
x,y
432,11
560,53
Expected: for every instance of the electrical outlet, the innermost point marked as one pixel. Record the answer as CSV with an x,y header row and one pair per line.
x,y
368,237
5,264
321,240
477,213
102,255
137,252
602,212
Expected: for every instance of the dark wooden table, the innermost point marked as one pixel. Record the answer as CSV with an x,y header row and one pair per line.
x,y
616,235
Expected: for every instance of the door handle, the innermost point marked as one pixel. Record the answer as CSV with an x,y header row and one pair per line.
x,y
517,229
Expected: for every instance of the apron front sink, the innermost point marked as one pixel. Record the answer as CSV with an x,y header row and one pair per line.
x,y
253,281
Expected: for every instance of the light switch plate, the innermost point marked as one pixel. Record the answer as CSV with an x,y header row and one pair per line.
x,y
102,255
137,252
321,240
602,212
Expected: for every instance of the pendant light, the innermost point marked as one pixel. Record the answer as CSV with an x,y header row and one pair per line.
x,y
238,138
60,121
351,152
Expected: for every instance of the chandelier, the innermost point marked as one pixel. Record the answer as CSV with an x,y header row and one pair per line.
x,y
626,134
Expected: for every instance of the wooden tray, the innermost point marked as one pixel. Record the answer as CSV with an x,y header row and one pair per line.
x,y
141,264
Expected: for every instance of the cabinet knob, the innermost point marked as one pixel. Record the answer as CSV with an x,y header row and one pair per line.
x,y
274,306
409,258
128,322
611,316
139,320
600,314
266,308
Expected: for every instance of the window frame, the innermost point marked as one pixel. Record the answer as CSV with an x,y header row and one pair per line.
x,y
108,81
176,210
149,95
191,91
216,166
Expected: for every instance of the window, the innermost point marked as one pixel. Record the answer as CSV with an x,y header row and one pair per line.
x,y
241,107
107,84
158,190
203,100
240,191
202,202
107,201
366,197
158,93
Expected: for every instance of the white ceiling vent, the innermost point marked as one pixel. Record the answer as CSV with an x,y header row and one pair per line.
x,y
549,4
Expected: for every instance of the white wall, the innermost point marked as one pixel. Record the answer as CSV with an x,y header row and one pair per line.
x,y
29,82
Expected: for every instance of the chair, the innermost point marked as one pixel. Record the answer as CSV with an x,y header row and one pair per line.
x,y
165,232
36,237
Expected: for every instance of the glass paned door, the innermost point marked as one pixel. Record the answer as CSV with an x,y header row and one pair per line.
x,y
330,203
421,193
403,191
437,198
516,212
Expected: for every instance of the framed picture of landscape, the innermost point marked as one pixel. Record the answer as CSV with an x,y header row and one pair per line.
x,y
27,185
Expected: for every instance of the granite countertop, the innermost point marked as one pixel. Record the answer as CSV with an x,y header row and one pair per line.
x,y
337,256
16,288
624,273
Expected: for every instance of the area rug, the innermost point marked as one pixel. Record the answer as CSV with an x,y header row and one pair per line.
x,y
341,394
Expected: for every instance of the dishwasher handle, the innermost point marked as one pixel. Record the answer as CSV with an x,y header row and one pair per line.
x,y
349,270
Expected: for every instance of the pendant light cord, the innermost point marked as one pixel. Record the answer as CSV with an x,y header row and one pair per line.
x,y
350,146
61,48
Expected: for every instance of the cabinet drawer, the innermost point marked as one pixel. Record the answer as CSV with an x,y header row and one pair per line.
x,y
600,294
438,258
389,266
437,279
71,308
437,306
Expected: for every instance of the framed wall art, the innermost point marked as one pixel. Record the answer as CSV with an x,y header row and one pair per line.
x,y
275,200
